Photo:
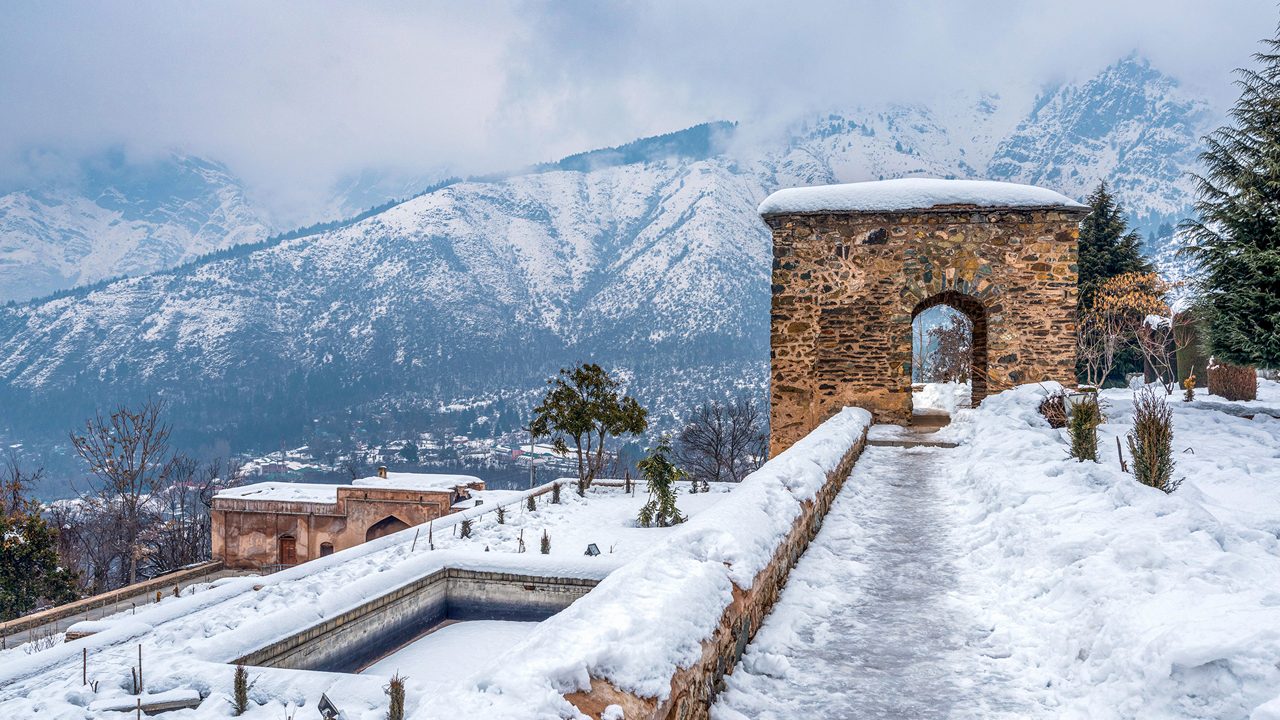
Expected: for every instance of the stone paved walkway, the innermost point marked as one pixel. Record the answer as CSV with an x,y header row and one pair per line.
x,y
868,625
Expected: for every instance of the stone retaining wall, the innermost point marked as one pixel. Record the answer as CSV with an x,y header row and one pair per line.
x,y
164,583
693,688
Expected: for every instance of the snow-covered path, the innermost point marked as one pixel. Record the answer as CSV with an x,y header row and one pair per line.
x,y
869,624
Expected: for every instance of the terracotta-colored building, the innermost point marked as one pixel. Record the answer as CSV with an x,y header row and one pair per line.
x,y
281,523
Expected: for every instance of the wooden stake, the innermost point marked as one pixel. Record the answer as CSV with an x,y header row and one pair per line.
x,y
139,668
415,540
1123,466
84,666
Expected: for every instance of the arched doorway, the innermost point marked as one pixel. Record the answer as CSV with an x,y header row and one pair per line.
x,y
326,549
949,344
287,550
385,526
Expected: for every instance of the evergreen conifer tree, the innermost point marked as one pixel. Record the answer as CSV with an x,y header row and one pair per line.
x,y
30,574
1107,246
1236,237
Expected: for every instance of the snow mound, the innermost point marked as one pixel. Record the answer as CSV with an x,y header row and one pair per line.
x,y
911,194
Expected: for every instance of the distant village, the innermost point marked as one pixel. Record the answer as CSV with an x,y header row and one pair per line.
x,y
503,462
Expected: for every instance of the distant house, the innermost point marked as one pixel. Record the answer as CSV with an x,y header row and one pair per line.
x,y
282,523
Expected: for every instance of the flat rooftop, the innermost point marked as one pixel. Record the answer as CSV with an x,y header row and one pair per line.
x,y
324,493
912,194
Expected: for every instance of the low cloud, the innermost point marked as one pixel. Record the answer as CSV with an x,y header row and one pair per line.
x,y
295,96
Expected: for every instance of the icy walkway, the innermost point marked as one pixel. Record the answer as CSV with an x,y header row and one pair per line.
x,y
868,625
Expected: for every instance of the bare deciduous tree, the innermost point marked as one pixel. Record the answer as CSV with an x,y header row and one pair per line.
x,y
180,535
952,350
722,442
128,457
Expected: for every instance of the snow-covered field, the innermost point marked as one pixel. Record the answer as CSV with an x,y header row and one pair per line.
x,y
1000,578
1057,588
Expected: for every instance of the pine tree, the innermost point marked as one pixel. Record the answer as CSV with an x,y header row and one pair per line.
x,y
1107,246
1236,237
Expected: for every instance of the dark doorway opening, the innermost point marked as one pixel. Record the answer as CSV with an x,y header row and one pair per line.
x,y
385,526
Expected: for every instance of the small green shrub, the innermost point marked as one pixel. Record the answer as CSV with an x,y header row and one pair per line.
x,y
1151,441
555,494
464,530
661,475
531,503
546,543
1086,416
502,515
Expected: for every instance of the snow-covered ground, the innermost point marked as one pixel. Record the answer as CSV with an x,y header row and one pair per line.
x,y
941,397
1000,578
447,656
1005,579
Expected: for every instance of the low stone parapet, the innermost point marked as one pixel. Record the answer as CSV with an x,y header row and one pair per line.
x,y
656,637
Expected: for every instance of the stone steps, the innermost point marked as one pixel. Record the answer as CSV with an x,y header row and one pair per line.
x,y
909,442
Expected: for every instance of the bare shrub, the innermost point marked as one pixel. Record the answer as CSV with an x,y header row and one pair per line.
x,y
1054,409
1232,382
395,691
240,691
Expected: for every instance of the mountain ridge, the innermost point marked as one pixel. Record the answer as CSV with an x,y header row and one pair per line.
x,y
482,288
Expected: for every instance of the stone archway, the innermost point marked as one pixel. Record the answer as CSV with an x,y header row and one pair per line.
x,y
973,309
853,264
385,526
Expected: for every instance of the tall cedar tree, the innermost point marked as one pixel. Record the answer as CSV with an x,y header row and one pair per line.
x,y
584,405
1107,247
29,572
1236,237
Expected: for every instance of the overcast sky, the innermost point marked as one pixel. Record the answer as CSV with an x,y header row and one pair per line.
x,y
293,96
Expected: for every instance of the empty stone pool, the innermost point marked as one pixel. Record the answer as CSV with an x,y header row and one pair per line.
x,y
426,619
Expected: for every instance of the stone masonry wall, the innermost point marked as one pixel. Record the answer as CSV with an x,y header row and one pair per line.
x,y
847,286
694,688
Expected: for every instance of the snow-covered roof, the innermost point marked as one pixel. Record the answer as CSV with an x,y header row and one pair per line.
x,y
911,194
322,493
415,481
283,492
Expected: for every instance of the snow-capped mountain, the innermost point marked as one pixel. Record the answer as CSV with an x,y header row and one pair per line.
x,y
119,218
648,257
1130,125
